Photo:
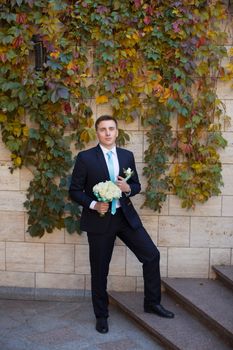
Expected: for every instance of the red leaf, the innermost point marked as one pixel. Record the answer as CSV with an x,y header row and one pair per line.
x,y
201,41
67,108
17,42
21,18
3,57
137,3
147,20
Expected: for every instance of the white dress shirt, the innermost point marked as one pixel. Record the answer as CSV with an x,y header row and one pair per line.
x,y
115,165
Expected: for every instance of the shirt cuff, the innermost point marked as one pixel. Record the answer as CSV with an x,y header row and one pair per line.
x,y
93,203
128,193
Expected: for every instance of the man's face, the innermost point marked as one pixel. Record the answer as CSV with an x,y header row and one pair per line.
x,y
107,133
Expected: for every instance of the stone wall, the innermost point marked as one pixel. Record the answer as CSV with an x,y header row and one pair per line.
x,y
190,241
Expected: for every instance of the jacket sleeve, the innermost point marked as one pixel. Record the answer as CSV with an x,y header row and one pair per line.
x,y
133,182
78,183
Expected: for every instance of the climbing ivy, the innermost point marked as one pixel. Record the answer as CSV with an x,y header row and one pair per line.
x,y
154,60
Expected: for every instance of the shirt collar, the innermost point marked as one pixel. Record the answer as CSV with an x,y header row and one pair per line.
x,y
106,150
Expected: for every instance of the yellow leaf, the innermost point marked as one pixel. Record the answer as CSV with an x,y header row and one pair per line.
x,y
17,161
84,136
55,54
16,131
21,111
176,11
231,52
130,52
3,118
71,65
165,96
25,131
148,29
101,99
122,98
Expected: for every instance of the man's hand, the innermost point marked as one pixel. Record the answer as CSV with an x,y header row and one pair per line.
x,y
101,207
122,184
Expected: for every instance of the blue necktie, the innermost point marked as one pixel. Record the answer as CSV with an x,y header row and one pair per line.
x,y
112,177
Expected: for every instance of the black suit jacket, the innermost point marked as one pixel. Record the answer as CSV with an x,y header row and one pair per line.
x,y
91,168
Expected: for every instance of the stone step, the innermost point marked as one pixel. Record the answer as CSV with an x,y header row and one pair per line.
x,y
225,274
210,300
184,332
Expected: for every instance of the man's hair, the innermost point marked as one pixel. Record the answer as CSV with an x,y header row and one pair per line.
x,y
105,117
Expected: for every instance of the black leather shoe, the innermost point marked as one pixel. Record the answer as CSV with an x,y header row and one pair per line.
x,y
158,310
102,325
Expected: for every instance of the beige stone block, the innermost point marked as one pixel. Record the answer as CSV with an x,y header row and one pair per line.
x,y
87,283
116,283
118,241
228,125
211,232
17,279
151,225
174,231
226,27
188,262
224,90
5,154
227,206
59,258
8,181
25,176
122,283
134,126
135,145
87,82
133,265
225,61
210,208
28,257
118,261
12,200
142,178
163,261
103,109
219,256
139,284
59,281
76,238
138,202
57,236
11,226
82,264
227,153
2,256
90,56
227,171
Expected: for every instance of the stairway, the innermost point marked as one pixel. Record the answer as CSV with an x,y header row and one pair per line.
x,y
203,312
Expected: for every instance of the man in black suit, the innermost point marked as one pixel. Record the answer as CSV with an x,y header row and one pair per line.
x,y
103,225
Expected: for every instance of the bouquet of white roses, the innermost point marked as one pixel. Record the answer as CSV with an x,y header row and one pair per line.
x,y
106,191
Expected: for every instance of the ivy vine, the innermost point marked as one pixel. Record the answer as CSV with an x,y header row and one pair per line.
x,y
154,60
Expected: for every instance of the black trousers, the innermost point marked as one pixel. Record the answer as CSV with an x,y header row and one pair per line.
x,y
100,253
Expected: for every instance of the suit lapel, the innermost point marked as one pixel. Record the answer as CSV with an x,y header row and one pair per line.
x,y
102,162
120,161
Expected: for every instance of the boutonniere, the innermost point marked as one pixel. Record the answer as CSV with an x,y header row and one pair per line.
x,y
128,173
